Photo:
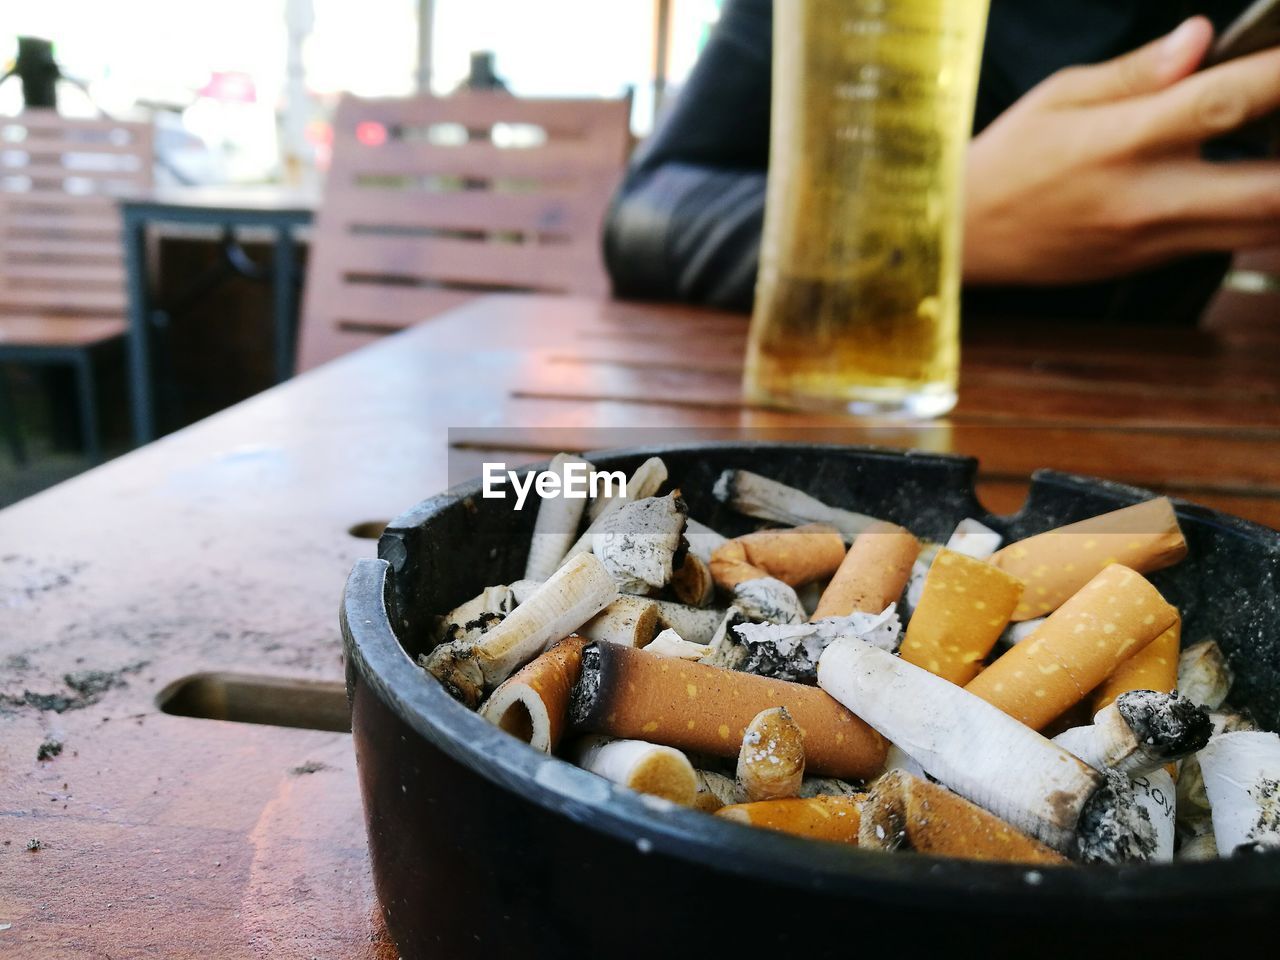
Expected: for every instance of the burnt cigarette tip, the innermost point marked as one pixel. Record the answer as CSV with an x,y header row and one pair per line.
x,y
1113,827
1168,726
1255,848
586,692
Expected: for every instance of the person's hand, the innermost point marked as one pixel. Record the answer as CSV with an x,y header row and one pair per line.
x,y
1097,172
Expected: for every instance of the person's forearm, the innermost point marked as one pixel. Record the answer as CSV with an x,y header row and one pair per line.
x,y
687,232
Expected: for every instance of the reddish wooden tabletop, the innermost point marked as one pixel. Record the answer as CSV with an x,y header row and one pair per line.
x,y
223,548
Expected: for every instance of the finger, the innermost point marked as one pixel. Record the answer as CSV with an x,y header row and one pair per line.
x,y
1243,190
1153,67
1195,206
1218,237
1207,104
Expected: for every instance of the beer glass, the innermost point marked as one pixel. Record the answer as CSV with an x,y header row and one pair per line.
x,y
857,302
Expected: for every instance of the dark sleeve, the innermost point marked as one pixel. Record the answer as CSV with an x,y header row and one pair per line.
x,y
686,221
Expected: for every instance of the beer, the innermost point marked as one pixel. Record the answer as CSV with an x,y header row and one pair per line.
x,y
857,301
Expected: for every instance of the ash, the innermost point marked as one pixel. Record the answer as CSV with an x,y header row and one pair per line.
x,y
1167,725
791,651
1113,828
587,690
1266,832
469,633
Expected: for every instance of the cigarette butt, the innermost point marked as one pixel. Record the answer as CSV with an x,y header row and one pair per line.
x,y
1112,617
644,767
704,709
580,589
638,541
768,600
1193,802
988,757
903,812
963,609
835,819
1154,667
556,526
758,496
1054,565
771,759
631,621
533,703
872,574
695,624
692,582
1203,674
795,556
1242,778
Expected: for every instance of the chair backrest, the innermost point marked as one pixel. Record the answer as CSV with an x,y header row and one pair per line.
x,y
60,177
430,201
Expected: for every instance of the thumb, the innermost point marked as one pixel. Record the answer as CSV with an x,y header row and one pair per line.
x,y
1158,64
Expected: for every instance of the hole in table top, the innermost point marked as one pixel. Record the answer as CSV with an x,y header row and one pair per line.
x,y
368,529
273,701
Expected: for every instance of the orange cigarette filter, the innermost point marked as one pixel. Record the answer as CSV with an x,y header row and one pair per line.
x,y
819,818
1055,564
795,555
905,812
635,695
1115,615
872,574
963,608
533,703
1154,667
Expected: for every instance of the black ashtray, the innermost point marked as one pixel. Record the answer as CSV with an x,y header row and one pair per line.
x,y
482,847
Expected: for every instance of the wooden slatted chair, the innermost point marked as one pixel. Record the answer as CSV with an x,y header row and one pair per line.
x,y
62,279
431,201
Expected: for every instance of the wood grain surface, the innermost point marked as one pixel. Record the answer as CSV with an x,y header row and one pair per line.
x,y
222,549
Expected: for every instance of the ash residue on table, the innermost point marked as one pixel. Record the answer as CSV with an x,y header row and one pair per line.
x,y
86,686
310,766
23,580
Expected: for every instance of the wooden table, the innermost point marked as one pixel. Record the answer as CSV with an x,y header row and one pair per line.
x,y
223,549
229,209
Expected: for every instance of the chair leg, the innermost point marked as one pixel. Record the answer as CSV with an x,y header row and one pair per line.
x,y
9,419
86,387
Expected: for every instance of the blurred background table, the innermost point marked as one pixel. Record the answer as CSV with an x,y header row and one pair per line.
x,y
280,211
219,553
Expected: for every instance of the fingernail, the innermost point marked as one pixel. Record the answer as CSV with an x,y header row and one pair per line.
x,y
1175,42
